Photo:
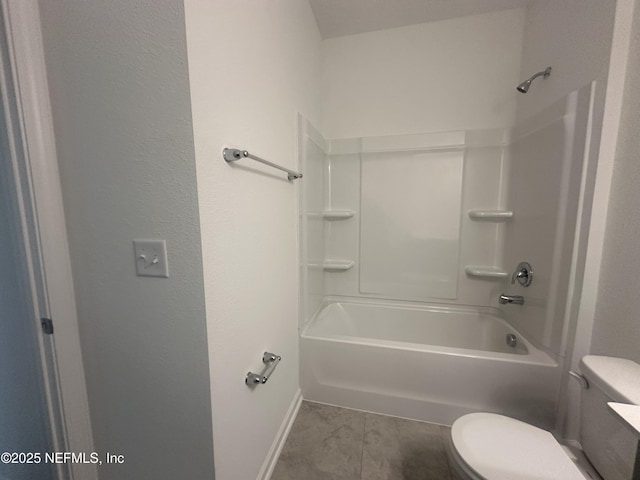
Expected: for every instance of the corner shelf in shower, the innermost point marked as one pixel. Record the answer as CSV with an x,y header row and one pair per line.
x,y
337,214
485,272
338,265
491,215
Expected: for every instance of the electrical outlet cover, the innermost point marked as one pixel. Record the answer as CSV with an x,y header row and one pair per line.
x,y
151,258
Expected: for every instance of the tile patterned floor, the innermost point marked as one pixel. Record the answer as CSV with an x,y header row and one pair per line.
x,y
331,443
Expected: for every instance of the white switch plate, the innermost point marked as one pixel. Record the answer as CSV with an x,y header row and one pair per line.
x,y
151,258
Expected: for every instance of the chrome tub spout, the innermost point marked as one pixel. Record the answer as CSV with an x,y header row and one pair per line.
x,y
515,299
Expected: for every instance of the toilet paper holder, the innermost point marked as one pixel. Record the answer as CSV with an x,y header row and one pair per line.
x,y
271,361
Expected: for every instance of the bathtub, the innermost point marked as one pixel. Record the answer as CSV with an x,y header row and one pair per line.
x,y
424,362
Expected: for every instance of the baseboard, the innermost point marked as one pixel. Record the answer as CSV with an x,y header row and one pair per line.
x,y
283,432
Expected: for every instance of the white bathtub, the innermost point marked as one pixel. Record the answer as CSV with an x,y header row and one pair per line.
x,y
429,363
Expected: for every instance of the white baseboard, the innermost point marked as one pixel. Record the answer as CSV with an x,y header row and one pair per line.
x,y
283,432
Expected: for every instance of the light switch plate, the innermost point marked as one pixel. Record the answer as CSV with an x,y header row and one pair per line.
x,y
151,258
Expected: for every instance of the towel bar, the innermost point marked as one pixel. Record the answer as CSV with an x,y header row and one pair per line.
x,y
233,154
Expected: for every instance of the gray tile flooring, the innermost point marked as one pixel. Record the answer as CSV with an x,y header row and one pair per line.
x,y
331,443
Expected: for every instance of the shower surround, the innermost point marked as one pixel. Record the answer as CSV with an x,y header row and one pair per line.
x,y
382,217
406,243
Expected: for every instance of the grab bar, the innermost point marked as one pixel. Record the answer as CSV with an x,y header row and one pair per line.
x,y
233,154
271,361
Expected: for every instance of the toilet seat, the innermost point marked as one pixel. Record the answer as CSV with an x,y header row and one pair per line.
x,y
495,447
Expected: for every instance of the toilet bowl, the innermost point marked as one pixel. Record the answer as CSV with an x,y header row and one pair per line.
x,y
488,446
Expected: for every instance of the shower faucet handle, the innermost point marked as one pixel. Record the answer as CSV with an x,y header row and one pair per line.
x,y
523,274
517,275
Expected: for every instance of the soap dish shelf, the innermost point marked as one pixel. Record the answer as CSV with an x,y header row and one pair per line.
x,y
337,214
485,272
491,215
338,265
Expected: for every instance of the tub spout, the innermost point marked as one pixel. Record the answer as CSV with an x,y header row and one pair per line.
x,y
515,299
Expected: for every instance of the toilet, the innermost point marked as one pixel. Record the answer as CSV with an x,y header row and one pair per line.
x,y
488,446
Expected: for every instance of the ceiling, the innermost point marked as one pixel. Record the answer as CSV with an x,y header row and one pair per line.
x,y
337,18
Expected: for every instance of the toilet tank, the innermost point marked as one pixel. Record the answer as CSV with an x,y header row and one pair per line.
x,y
607,443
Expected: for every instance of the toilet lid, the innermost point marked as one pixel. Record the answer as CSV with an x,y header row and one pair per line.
x,y
502,448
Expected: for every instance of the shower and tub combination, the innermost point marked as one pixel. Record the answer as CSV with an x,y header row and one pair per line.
x,y
427,362
418,253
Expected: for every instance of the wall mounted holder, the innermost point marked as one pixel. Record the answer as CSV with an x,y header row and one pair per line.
x,y
488,272
271,361
338,265
491,215
337,214
234,154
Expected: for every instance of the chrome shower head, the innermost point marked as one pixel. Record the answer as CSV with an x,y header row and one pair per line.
x,y
524,86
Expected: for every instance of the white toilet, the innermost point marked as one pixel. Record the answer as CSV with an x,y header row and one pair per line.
x,y
487,446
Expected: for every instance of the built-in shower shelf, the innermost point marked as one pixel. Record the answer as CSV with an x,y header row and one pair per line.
x,y
491,215
338,265
485,272
337,214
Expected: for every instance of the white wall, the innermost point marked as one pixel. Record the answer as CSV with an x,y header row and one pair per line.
x,y
253,67
455,74
119,90
571,36
617,326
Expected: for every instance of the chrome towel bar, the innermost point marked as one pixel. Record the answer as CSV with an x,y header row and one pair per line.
x,y
233,154
271,361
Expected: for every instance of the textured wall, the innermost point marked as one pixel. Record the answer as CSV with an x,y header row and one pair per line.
x,y
574,38
253,66
617,321
120,99
455,74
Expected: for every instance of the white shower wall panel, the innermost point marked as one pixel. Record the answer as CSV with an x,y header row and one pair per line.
x,y
482,242
342,237
313,163
315,241
410,224
545,178
483,173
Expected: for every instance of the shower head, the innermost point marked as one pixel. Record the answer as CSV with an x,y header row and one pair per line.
x,y
524,86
